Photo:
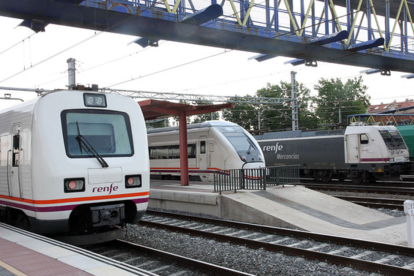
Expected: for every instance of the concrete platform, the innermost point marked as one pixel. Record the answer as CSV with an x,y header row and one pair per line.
x,y
291,207
24,254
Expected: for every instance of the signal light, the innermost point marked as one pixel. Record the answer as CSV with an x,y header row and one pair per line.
x,y
74,185
133,181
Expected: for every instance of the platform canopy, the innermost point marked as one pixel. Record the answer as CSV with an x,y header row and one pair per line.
x,y
153,109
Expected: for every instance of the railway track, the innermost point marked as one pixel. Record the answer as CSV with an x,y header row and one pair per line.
x,y
385,188
158,262
375,202
359,254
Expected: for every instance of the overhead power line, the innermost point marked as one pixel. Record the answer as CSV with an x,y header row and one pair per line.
x,y
196,98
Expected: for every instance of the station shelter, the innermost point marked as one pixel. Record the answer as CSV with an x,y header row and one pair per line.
x,y
155,109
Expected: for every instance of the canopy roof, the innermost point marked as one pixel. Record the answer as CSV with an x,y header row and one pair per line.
x,y
153,109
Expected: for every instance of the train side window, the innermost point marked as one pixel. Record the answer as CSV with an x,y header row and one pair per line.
x,y
202,147
364,139
16,146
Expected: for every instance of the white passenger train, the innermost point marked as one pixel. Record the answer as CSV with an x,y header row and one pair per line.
x,y
212,146
74,162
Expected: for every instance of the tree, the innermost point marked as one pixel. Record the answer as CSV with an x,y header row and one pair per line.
x,y
155,123
206,116
243,114
279,117
336,99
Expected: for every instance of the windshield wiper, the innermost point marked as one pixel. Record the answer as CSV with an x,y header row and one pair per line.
x,y
88,147
83,143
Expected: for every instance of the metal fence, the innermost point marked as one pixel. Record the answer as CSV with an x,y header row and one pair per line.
x,y
255,179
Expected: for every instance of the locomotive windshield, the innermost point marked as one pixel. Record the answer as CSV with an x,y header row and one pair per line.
x,y
245,147
107,132
392,139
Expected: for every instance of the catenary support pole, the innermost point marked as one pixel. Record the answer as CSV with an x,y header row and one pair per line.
x,y
295,109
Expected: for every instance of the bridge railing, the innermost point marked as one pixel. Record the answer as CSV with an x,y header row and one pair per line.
x,y
255,179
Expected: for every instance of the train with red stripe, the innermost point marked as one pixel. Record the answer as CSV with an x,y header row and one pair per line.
x,y
212,146
360,153
74,164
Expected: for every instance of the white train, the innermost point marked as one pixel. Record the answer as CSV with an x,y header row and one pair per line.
x,y
360,153
74,162
212,146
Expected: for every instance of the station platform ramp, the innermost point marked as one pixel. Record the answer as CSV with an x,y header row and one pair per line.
x,y
290,206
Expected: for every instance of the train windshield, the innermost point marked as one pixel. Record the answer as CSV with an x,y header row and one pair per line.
x,y
245,147
108,133
392,139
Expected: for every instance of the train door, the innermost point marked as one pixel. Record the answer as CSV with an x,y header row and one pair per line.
x,y
13,163
352,148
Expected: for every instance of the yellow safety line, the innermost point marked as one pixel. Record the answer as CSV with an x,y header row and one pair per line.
x,y
12,269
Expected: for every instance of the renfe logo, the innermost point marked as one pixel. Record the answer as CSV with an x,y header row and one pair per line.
x,y
274,148
109,189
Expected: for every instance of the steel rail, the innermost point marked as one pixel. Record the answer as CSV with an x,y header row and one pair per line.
x,y
313,255
220,270
361,188
375,202
78,250
289,232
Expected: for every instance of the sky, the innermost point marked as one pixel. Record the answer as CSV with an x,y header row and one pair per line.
x,y
29,60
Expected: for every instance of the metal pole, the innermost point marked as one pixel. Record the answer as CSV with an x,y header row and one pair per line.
x,y
260,112
295,119
71,73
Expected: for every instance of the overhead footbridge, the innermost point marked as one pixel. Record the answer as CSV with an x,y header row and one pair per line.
x,y
375,34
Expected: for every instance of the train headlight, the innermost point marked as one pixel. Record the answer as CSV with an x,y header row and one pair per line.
x,y
260,157
133,181
74,185
94,100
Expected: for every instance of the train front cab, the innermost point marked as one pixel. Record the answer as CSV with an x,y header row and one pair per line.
x,y
374,152
89,169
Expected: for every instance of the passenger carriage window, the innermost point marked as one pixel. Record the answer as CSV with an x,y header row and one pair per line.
x,y
171,152
364,139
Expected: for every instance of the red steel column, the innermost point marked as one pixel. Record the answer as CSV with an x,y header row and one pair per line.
x,y
183,148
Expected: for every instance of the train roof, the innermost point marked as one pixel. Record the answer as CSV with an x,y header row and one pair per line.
x,y
299,133
205,124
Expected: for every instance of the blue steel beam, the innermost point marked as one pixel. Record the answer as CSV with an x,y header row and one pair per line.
x,y
270,28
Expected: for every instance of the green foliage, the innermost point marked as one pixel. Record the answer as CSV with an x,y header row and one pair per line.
x,y
279,117
334,96
155,123
243,114
204,117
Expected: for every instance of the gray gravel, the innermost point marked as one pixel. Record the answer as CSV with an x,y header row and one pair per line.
x,y
257,262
